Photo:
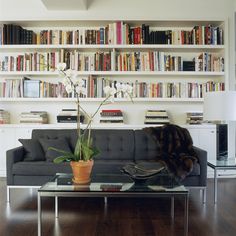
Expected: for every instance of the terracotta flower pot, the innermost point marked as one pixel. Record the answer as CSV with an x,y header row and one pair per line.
x,y
81,171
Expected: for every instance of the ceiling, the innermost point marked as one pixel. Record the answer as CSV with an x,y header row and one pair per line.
x,y
65,4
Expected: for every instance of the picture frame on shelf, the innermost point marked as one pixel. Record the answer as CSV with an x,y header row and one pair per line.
x,y
31,88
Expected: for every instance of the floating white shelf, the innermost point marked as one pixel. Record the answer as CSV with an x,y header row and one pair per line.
x,y
100,99
109,46
94,126
117,73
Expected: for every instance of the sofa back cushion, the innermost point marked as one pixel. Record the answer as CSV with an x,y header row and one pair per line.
x,y
33,150
145,146
69,134
114,144
58,143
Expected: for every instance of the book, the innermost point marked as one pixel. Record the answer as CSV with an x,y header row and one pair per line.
x,y
194,118
4,117
34,117
156,117
69,116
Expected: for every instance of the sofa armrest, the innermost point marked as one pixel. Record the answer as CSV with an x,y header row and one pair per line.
x,y
13,155
202,156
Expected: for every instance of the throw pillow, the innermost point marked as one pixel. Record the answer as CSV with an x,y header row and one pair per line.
x,y
60,143
33,149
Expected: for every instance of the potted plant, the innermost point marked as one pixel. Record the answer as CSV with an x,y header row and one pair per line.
x,y
81,160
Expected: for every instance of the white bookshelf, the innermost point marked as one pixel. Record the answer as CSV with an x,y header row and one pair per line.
x,y
175,106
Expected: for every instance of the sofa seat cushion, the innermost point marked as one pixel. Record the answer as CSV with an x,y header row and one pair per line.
x,y
40,168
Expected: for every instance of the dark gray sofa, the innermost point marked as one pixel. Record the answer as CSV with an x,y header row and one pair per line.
x,y
117,148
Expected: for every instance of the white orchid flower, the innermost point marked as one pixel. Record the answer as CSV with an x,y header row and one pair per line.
x,y
65,81
124,88
69,88
129,89
106,89
110,91
80,90
61,66
118,87
69,73
80,83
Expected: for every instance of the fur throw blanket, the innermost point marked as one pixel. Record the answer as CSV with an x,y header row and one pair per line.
x,y
176,148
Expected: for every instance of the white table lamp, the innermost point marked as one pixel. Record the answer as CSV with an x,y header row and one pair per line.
x,y
221,106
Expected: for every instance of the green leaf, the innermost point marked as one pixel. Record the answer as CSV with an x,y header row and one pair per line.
x,y
60,151
87,152
77,149
61,159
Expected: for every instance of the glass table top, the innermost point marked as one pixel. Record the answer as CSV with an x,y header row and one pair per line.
x,y
114,183
231,162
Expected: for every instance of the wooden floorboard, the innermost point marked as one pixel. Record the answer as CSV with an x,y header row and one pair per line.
x,y
121,217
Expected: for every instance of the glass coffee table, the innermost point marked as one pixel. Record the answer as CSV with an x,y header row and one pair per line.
x,y
228,164
113,185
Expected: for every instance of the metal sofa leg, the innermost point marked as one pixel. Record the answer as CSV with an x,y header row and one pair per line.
x,y
8,194
204,195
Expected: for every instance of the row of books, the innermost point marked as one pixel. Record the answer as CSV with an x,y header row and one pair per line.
x,y
209,62
147,61
99,61
140,61
194,118
15,34
4,117
175,90
31,62
156,117
34,117
111,116
114,33
94,88
108,61
31,89
200,35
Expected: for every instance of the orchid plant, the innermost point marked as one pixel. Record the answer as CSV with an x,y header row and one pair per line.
x,y
84,150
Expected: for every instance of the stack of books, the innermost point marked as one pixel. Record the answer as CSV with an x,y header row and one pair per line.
x,y
69,116
194,118
4,117
34,117
157,117
111,116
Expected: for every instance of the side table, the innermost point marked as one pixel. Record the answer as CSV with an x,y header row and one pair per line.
x,y
229,164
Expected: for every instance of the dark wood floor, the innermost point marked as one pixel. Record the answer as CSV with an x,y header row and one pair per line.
x,y
122,217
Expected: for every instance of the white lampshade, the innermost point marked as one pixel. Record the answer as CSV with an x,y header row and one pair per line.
x,y
220,106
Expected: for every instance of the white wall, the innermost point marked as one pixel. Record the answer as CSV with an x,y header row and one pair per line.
x,y
117,9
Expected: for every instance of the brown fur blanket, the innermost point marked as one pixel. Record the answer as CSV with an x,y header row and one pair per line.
x,y
176,148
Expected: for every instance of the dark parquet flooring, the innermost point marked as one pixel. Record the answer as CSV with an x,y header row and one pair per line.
x,y
121,217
